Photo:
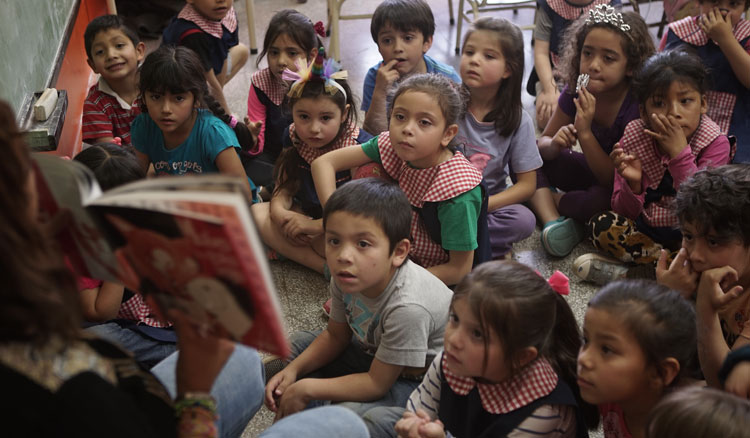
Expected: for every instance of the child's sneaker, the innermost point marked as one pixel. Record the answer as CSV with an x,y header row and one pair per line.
x,y
599,269
560,236
272,365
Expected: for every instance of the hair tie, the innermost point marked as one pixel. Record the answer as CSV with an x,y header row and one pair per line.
x,y
607,14
321,69
232,121
320,29
117,141
559,283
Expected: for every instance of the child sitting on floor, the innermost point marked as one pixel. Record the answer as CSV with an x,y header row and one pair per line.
x,y
114,51
670,142
387,317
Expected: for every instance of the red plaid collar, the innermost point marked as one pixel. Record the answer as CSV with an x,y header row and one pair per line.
x,y
654,162
211,27
571,12
433,184
309,154
534,381
272,87
136,309
689,30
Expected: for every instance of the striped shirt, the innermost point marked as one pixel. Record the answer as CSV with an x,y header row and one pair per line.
x,y
550,421
106,114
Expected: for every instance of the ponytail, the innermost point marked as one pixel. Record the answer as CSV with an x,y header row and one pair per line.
x,y
244,136
563,348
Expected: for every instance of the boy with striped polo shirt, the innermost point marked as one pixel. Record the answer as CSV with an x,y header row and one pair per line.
x,y
114,52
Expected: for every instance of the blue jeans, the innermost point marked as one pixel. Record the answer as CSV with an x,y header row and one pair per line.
x,y
326,421
238,388
146,350
355,360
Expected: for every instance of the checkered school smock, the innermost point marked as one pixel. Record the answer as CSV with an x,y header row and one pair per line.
x,y
266,82
533,382
654,163
309,154
433,184
211,27
721,105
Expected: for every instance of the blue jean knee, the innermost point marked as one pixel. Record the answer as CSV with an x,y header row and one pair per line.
x,y
381,421
323,422
238,389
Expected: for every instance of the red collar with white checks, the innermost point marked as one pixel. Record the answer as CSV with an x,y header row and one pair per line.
x,y
211,27
309,153
689,30
571,12
433,184
272,87
654,162
534,381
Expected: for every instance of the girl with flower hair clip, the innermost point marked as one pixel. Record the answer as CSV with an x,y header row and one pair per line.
x,y
321,104
290,37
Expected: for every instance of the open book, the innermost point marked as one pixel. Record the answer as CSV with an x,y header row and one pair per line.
x,y
187,242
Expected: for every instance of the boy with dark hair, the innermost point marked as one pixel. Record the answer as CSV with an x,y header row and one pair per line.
x,y
388,314
114,52
714,263
403,31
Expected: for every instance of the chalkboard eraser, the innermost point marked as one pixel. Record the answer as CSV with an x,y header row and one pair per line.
x,y
45,135
45,105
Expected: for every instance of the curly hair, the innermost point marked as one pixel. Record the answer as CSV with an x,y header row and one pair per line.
x,y
39,292
712,199
637,45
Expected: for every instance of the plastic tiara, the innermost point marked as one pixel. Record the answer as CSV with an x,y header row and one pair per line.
x,y
321,69
607,14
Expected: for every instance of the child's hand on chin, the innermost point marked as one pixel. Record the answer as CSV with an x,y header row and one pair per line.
x,y
714,288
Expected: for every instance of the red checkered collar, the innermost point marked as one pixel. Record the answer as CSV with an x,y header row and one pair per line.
x,y
689,30
534,381
634,139
211,27
432,184
570,11
272,87
309,153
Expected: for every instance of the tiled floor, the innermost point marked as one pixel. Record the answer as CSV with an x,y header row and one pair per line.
x,y
302,291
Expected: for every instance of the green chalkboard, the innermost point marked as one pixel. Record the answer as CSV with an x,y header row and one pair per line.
x,y
32,35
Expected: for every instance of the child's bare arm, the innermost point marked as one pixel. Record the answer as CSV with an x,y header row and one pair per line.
x,y
519,192
368,386
324,169
546,102
719,29
558,134
101,303
713,294
375,118
455,268
216,90
228,163
329,344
